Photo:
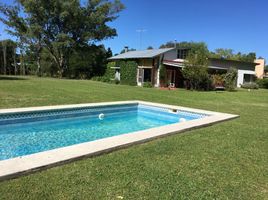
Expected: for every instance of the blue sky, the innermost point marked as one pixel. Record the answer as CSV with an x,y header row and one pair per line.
x,y
238,24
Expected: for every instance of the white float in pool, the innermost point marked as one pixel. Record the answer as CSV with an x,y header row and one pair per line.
x,y
101,116
183,120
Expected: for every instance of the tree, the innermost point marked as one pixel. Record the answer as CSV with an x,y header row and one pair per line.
x,y
195,68
87,61
229,54
109,53
182,44
62,25
124,50
8,56
149,48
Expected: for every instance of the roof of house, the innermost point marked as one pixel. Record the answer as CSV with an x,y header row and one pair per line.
x,y
231,60
141,54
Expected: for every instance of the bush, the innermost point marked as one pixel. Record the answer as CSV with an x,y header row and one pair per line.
x,y
217,80
250,86
147,85
110,71
101,78
230,79
116,81
128,72
263,83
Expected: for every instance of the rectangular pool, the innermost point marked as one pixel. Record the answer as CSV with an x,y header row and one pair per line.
x,y
31,132
37,137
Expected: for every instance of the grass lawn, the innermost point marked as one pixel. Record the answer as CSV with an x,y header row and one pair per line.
x,y
225,161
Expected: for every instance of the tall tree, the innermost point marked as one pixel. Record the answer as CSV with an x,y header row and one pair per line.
x,y
61,25
4,46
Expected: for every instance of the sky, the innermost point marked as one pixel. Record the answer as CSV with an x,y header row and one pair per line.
x,y
241,25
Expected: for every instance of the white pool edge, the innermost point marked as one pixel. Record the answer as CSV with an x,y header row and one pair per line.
x,y
15,167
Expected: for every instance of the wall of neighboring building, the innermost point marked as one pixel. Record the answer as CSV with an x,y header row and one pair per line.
x,y
259,69
245,76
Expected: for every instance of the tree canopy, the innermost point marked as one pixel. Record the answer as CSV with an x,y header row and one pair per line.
x,y
61,26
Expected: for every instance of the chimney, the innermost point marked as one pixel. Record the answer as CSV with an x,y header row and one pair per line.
x,y
126,49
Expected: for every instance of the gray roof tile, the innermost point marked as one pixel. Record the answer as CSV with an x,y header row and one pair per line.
x,y
141,54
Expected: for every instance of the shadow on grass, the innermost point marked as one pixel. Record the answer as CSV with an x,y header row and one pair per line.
x,y
12,78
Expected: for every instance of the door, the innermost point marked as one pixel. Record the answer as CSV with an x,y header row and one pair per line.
x,y
171,76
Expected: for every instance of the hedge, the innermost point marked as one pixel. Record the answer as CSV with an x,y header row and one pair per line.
x,y
263,83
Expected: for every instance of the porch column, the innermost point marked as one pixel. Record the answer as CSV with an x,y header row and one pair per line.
x,y
158,72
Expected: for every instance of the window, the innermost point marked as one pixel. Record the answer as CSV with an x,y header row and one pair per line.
x,y
182,53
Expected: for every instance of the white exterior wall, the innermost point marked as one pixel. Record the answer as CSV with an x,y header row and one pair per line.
x,y
240,76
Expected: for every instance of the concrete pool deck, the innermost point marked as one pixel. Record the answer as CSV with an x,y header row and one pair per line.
x,y
15,167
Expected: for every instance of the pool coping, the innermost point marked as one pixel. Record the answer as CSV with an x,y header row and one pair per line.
x,y
14,167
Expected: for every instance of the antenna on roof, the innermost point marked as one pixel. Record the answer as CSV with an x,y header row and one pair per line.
x,y
141,31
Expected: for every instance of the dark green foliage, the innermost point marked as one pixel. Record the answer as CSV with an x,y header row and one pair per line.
x,y
86,62
62,27
195,69
110,71
250,86
128,72
147,85
7,56
263,83
230,79
109,53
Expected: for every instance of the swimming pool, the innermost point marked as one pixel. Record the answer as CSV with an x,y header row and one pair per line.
x,y
27,133
37,137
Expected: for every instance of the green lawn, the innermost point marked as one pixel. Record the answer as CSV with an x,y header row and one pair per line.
x,y
225,161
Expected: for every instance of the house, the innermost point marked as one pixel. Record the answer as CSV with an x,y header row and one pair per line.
x,y
172,59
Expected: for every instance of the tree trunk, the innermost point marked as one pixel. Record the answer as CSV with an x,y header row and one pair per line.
x,y
61,65
38,66
38,60
5,58
15,62
22,66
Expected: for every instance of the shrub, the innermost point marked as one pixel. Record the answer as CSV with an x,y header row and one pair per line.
x,y
128,72
217,80
110,72
147,85
230,79
116,81
263,83
250,86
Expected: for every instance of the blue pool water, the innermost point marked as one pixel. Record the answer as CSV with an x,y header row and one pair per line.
x,y
28,133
